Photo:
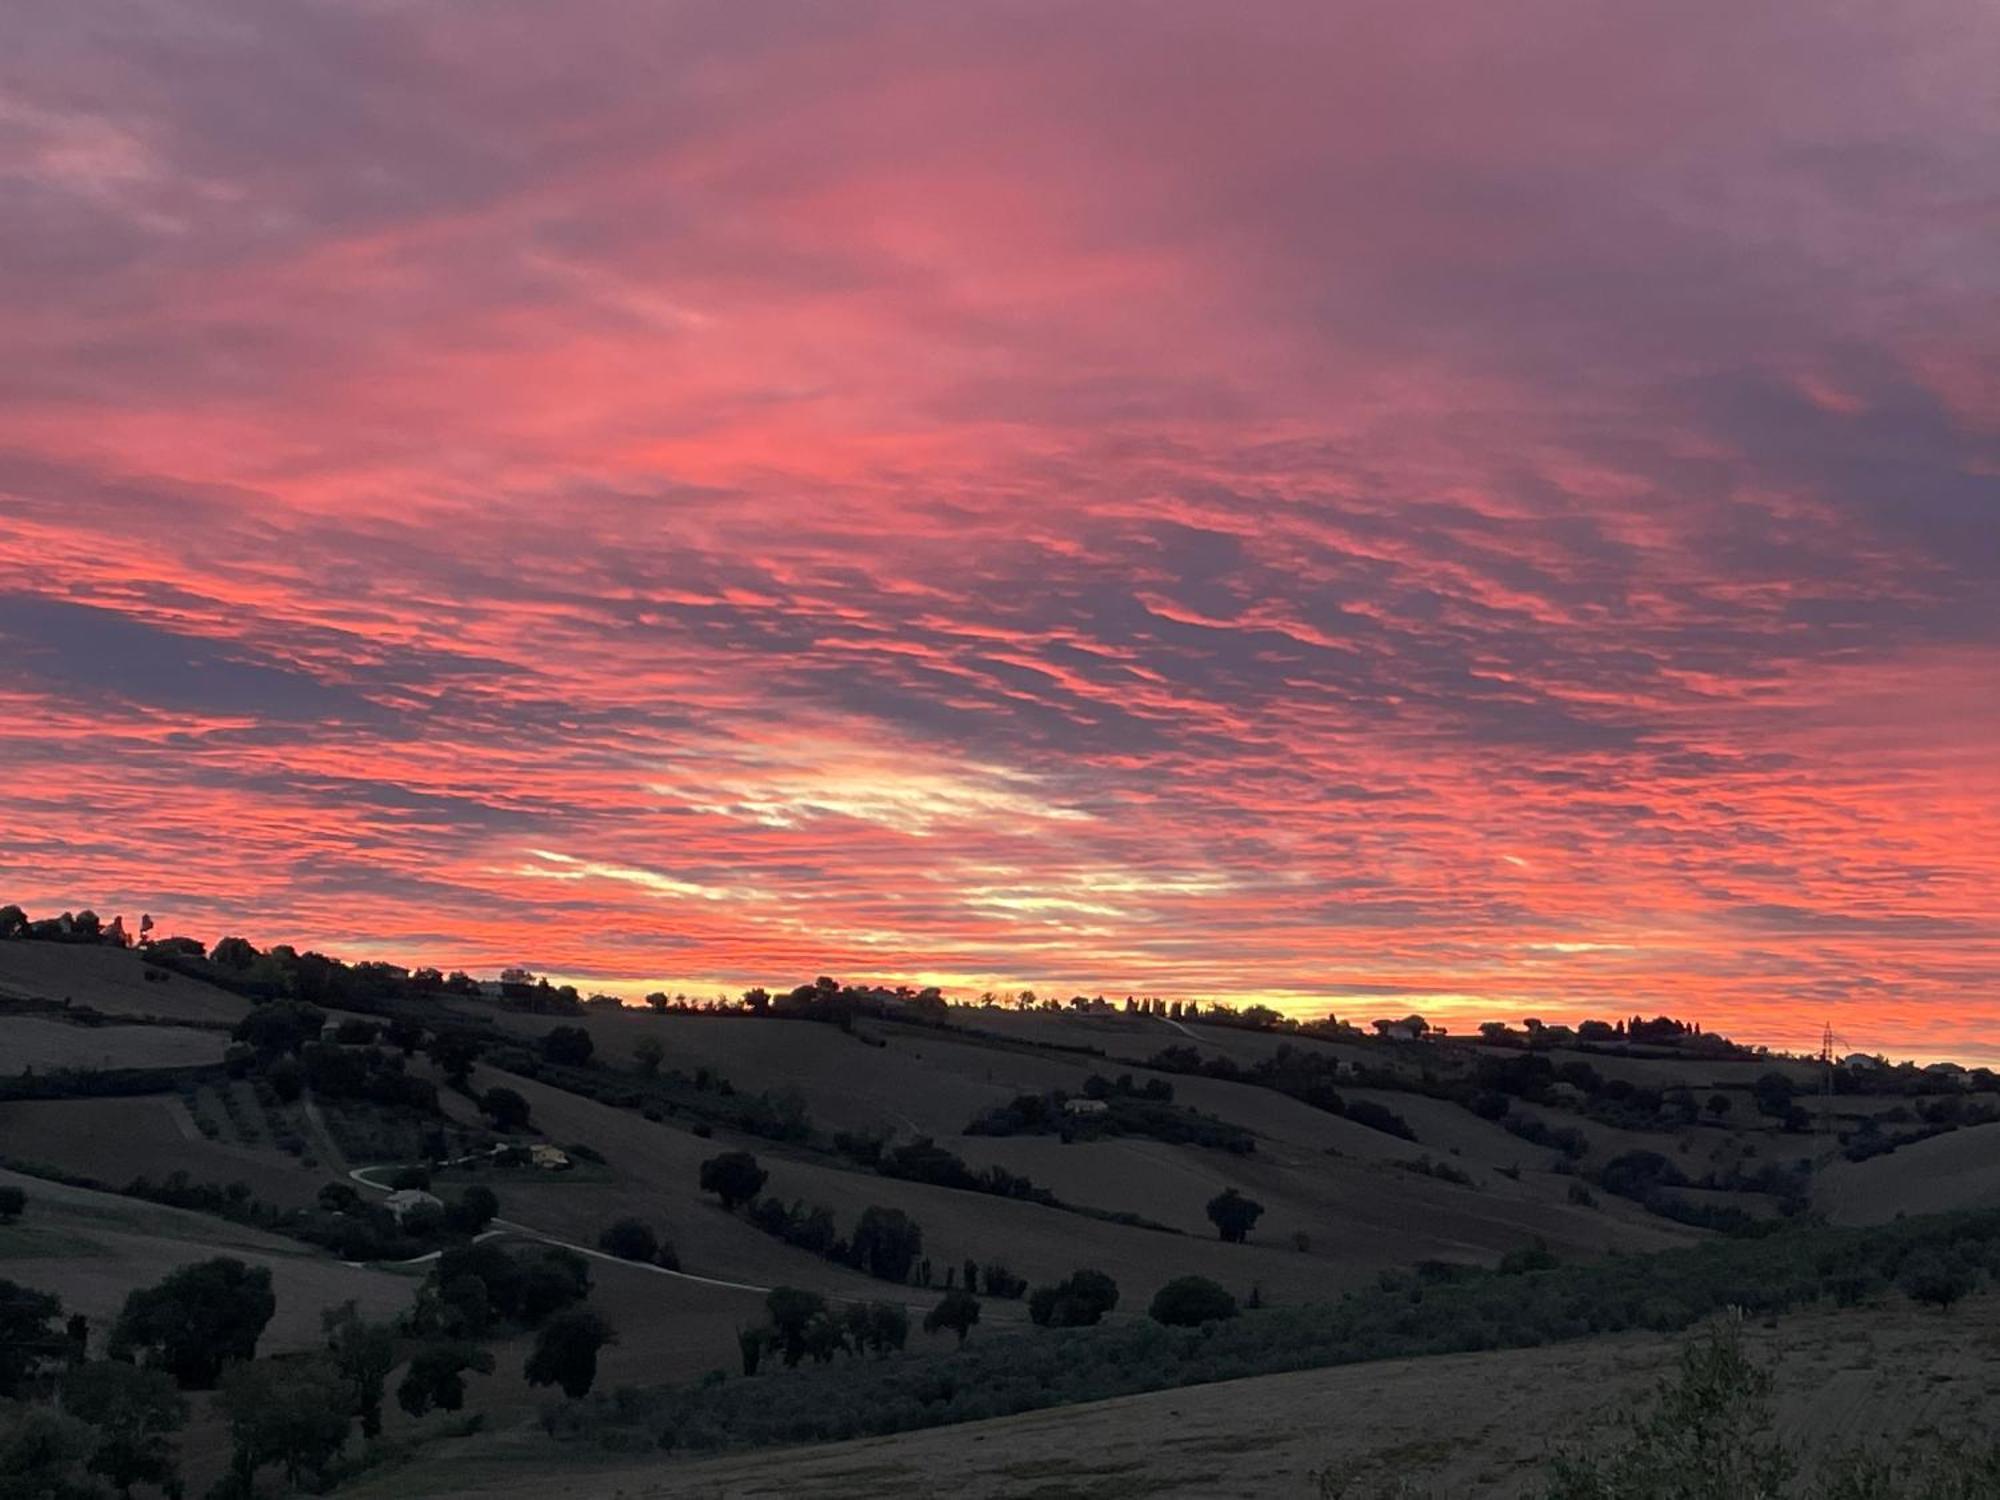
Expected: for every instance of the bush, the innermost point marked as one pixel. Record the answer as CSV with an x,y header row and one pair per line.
x,y
13,1203
1189,1301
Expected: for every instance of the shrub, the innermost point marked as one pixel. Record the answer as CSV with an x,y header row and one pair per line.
x,y
13,1203
1189,1301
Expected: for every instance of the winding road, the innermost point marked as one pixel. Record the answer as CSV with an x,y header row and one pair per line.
x,y
507,1226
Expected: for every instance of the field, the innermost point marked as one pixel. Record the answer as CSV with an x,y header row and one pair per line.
x,y
112,981
33,1042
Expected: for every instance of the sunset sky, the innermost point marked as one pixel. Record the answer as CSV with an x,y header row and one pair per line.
x,y
1482,509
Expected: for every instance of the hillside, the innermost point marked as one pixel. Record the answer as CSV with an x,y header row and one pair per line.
x,y
1450,1425
1368,1158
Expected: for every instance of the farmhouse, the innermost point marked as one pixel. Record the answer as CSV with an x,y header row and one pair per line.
x,y
403,1200
1085,1107
549,1158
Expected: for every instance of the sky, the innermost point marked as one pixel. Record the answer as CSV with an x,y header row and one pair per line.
x,y
1484,510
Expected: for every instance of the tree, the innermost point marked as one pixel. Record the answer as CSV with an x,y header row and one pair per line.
x,y
281,1027
1234,1215
552,1278
363,1353
958,1311
197,1320
1077,1302
734,1177
43,1453
13,1203
13,922
436,1377
339,1198
1773,1092
507,1109
569,1046
1930,1278
28,1337
232,953
629,1239
649,1054
476,1207
452,1055
887,1243
136,1413
1190,1301
284,1411
566,1351
878,1327
1719,1105
792,1311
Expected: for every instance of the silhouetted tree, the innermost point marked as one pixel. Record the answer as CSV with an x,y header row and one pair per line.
x,y
649,1054
565,1352
959,1311
877,1327
629,1239
507,1109
1773,1092
570,1046
291,1412
476,1207
28,1338
734,1177
13,1203
1234,1215
197,1320
886,1243
1931,1278
792,1310
363,1354
136,1413
436,1377
1081,1300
